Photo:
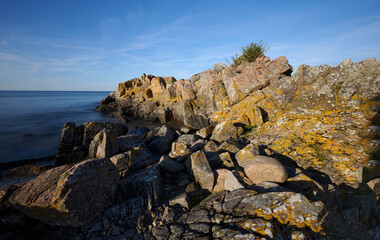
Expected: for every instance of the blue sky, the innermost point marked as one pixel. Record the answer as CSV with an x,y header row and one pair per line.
x,y
93,45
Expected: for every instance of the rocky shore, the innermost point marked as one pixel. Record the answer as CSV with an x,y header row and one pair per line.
x,y
262,154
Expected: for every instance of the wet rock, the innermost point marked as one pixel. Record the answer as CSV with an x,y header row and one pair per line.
x,y
169,165
263,169
202,171
69,196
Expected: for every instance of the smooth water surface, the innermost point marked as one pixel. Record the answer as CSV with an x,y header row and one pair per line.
x,y
31,121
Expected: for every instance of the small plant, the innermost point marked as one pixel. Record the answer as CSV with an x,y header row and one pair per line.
x,y
247,128
318,154
249,53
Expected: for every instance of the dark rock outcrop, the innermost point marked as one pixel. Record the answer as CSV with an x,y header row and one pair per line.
x,y
75,140
69,196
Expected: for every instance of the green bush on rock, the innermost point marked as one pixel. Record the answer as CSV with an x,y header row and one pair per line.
x,y
249,53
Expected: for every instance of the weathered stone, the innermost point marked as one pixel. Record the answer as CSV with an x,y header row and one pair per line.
x,y
181,200
75,140
146,183
224,131
287,207
205,132
24,171
161,140
135,159
232,182
263,169
188,139
244,156
230,145
202,170
221,175
128,142
374,185
69,196
196,121
226,159
169,165
179,150
104,145
198,145
211,146
369,171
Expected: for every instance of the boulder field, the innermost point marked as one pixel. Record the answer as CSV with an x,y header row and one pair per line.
x,y
261,154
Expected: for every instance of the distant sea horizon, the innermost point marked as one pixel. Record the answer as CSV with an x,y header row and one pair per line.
x,y
31,121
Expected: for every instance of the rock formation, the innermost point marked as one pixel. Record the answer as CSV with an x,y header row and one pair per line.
x,y
261,154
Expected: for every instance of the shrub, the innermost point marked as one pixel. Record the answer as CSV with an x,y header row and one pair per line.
x,y
249,53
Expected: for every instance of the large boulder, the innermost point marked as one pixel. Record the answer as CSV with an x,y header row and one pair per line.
x,y
202,171
69,196
265,169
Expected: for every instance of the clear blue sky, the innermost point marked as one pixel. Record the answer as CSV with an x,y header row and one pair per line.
x,y
93,45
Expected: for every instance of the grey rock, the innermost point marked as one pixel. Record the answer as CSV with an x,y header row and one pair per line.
x,y
231,183
128,142
135,159
205,132
69,196
198,145
369,171
202,171
169,165
161,140
104,145
147,183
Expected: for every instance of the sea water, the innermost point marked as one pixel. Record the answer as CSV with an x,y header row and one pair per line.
x,y
31,121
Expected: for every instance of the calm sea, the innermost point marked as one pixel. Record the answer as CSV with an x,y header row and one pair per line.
x,y
31,121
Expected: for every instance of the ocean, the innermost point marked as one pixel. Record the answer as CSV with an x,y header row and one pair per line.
x,y
31,121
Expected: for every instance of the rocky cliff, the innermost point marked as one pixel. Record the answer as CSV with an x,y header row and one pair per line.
x,y
325,118
262,154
